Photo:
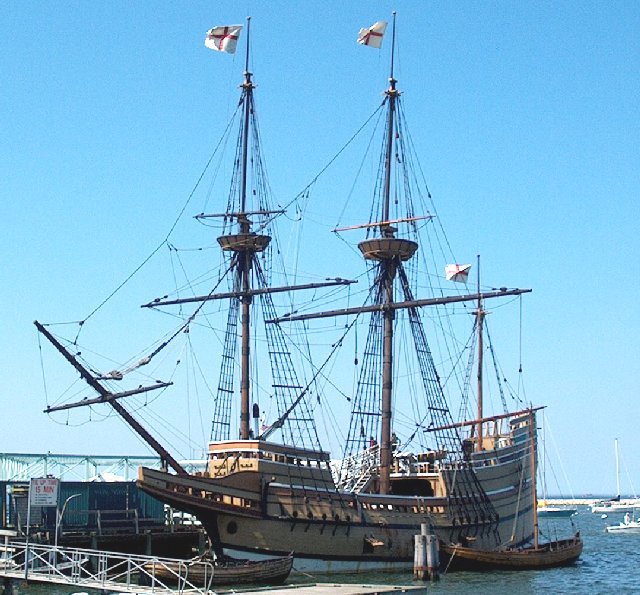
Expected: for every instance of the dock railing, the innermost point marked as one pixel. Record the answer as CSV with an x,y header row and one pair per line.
x,y
106,571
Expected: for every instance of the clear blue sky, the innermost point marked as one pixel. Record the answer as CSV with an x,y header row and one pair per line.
x,y
526,116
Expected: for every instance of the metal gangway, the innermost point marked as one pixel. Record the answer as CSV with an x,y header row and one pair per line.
x,y
104,571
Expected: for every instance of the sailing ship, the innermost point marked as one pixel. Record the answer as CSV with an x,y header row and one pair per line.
x,y
271,488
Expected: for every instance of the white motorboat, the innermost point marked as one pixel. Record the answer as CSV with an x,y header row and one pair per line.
x,y
627,525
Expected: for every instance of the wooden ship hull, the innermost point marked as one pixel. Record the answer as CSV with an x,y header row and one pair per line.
x,y
548,555
201,571
264,499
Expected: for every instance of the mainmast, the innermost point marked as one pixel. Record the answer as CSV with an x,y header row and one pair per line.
x,y
389,251
389,267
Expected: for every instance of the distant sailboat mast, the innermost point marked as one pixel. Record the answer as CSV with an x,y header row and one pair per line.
x,y
534,487
617,470
480,315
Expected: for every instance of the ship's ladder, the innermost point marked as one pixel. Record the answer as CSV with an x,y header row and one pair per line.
x,y
358,469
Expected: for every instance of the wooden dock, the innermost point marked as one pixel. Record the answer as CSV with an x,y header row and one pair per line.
x,y
334,589
124,573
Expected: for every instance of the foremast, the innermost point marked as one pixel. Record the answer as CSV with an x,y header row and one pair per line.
x,y
245,251
244,243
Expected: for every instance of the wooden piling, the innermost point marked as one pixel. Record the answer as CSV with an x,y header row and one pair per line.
x,y
426,560
433,557
420,558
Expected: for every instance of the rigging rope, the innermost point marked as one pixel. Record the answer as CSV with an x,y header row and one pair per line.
x,y
118,375
164,241
323,170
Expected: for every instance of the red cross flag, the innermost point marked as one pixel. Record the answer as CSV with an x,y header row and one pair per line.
x,y
373,35
457,272
223,39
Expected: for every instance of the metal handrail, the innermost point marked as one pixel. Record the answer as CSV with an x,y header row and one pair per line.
x,y
106,571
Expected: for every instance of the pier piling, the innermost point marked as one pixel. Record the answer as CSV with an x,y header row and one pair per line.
x,y
426,560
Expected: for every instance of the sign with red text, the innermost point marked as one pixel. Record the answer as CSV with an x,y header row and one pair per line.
x,y
43,491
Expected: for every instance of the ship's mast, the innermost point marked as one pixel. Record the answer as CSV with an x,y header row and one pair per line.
x,y
388,251
480,315
534,485
245,245
389,273
245,256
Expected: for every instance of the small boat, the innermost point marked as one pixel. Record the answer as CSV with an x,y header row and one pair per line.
x,y
537,556
556,512
547,555
610,506
627,525
207,570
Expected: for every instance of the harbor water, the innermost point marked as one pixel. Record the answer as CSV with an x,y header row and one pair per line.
x,y
609,564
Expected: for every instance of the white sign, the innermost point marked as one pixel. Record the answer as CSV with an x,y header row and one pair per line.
x,y
43,491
